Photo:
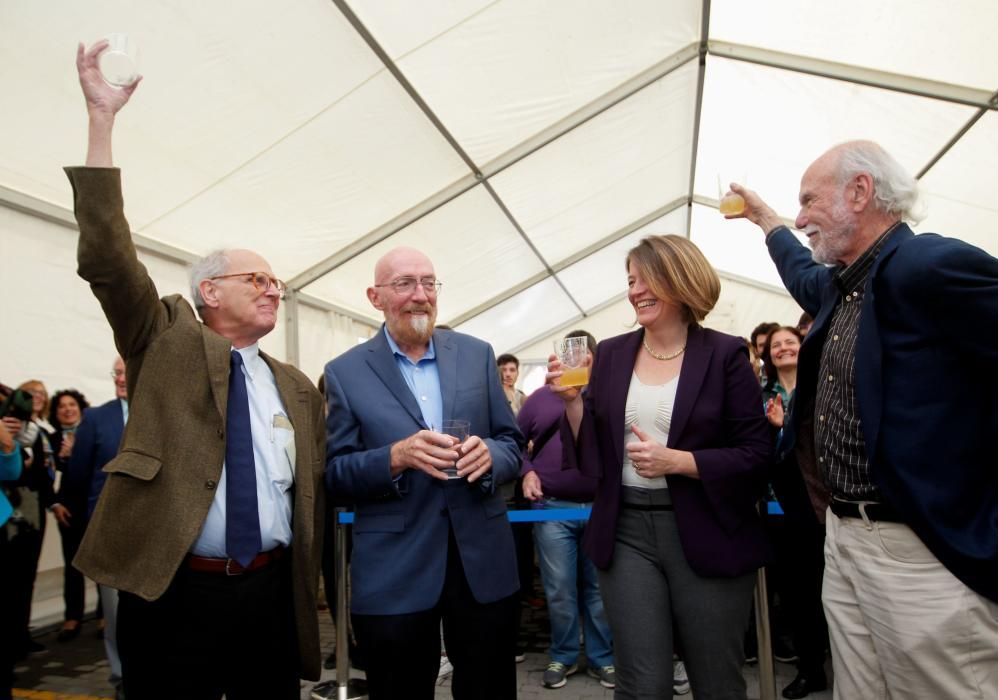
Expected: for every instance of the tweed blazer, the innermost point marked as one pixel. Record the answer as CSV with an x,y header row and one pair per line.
x,y
162,483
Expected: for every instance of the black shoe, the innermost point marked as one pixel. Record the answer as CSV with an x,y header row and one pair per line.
x,y
804,684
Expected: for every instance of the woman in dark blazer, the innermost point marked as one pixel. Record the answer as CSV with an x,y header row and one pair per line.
x,y
673,428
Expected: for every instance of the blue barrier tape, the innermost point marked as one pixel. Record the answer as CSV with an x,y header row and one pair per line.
x,y
542,515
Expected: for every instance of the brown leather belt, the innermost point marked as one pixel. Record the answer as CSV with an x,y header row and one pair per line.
x,y
874,511
230,567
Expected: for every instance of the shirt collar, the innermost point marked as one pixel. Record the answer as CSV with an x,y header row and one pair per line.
x,y
430,352
853,277
251,358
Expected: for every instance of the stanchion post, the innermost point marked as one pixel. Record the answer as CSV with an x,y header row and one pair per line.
x,y
767,674
343,688
342,616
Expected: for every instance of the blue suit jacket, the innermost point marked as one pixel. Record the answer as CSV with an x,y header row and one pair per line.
x,y
925,382
400,533
718,417
97,440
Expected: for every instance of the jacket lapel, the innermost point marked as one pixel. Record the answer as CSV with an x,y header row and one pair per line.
x,y
621,368
382,361
216,353
869,382
691,376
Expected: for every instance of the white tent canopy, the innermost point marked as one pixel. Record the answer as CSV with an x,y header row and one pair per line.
x,y
525,145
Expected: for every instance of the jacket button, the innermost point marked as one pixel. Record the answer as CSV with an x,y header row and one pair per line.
x,y
221,433
210,485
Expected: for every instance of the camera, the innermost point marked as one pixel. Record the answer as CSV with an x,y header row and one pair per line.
x,y
16,404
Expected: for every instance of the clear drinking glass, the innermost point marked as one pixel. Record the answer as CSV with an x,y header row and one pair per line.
x,y
729,202
574,356
459,429
119,62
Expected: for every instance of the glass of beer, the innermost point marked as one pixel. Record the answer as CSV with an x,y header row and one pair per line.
x,y
573,353
729,202
459,429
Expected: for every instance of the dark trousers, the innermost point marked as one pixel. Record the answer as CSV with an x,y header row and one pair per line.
x,y
805,544
10,630
23,550
210,634
73,585
403,651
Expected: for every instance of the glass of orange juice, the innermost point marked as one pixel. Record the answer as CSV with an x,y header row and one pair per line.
x,y
574,356
729,202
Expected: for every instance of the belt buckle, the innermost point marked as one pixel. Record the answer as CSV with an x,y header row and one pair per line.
x,y
228,572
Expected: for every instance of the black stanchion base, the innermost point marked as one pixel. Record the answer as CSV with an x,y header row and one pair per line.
x,y
356,689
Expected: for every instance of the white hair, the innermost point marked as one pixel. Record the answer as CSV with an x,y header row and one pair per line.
x,y
213,264
895,191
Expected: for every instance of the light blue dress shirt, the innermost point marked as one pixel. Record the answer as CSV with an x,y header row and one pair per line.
x,y
273,456
423,380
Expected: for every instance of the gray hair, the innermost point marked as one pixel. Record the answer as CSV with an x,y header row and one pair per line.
x,y
213,264
895,191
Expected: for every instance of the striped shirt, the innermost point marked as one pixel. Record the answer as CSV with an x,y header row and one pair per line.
x,y
838,435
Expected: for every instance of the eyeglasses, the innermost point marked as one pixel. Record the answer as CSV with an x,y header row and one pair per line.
x,y
261,281
116,373
407,285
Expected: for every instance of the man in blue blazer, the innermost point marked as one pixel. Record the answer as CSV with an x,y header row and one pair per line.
x,y
426,547
97,441
897,405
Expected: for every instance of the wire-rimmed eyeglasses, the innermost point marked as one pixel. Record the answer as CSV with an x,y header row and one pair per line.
x,y
407,285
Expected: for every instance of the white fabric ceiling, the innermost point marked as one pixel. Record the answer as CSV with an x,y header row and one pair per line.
x,y
523,145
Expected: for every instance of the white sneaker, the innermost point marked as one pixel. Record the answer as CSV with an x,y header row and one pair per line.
x,y
446,668
680,681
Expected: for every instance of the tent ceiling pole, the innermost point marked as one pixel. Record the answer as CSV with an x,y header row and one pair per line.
x,y
53,213
292,349
493,167
698,106
959,135
854,74
570,260
399,76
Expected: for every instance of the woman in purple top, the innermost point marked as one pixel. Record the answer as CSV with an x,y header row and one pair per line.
x,y
558,543
672,427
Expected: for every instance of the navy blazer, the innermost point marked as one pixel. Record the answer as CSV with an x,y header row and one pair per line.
x,y
718,417
97,440
400,533
925,383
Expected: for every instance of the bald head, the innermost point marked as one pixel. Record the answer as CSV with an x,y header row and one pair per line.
x,y
393,263
404,291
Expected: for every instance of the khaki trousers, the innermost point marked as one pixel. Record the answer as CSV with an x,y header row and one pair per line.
x,y
901,626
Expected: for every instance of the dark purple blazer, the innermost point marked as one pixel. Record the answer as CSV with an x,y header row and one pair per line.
x,y
718,417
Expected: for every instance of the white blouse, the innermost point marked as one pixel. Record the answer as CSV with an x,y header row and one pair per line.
x,y
650,408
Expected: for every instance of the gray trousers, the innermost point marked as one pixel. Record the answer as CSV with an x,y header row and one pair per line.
x,y
109,602
650,589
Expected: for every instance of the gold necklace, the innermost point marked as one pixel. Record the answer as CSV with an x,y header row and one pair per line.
x,y
658,356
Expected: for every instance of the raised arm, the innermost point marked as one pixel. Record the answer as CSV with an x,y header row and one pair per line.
x,y
103,102
106,254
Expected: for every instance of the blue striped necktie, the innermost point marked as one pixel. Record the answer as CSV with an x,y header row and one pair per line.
x,y
242,518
